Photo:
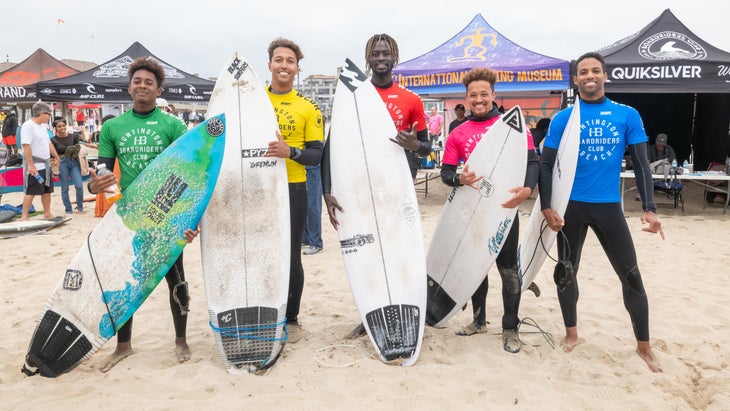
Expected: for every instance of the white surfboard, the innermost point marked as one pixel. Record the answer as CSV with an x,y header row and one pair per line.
x,y
18,228
128,252
473,224
245,240
538,238
380,229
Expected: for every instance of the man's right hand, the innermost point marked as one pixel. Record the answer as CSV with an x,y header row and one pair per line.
x,y
332,204
553,219
98,183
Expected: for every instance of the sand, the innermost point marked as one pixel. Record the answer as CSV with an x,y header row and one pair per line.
x,y
685,278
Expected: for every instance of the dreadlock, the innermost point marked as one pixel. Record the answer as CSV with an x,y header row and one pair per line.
x,y
371,44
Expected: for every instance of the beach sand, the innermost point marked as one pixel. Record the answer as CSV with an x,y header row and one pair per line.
x,y
684,276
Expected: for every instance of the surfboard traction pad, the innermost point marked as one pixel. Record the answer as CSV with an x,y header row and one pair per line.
x,y
395,330
248,336
439,303
57,347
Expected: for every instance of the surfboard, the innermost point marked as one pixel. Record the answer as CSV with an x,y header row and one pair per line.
x,y
538,238
473,225
7,215
380,229
18,228
245,233
128,252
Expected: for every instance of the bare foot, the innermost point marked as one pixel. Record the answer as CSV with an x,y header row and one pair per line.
x,y
571,339
182,351
568,344
49,217
644,350
117,356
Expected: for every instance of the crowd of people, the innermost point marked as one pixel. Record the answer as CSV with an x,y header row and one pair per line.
x,y
594,201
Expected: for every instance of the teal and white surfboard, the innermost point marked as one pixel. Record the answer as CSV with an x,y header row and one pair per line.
x,y
129,252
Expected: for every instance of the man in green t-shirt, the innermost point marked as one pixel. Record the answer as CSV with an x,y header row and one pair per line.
x,y
136,138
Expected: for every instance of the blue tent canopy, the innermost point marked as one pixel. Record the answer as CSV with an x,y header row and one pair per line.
x,y
440,70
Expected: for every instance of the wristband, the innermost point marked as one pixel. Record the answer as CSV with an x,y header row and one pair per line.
x,y
88,187
295,153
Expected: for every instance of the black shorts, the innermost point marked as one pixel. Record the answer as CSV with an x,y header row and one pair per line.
x,y
35,188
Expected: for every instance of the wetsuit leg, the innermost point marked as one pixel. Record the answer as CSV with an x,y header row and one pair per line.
x,y
615,238
298,217
175,276
507,266
575,231
124,335
479,302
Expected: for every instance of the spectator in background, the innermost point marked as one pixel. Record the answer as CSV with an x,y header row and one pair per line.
x,y
435,125
661,150
460,112
10,126
67,146
37,153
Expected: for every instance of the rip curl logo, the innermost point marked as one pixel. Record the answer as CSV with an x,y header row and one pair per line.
x,y
90,88
670,45
192,90
599,140
473,46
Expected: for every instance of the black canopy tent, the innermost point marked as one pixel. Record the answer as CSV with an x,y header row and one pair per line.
x,y
107,83
678,82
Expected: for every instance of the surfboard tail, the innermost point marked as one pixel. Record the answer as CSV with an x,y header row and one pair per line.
x,y
249,338
395,330
439,303
57,347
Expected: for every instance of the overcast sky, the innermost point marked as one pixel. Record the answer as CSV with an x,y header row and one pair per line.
x,y
198,36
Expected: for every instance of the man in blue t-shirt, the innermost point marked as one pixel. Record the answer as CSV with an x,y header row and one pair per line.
x,y
607,130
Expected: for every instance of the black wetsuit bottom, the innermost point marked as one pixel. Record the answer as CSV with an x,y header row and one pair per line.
x,y
609,224
298,217
175,276
511,294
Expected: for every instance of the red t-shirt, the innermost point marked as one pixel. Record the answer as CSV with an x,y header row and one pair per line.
x,y
404,106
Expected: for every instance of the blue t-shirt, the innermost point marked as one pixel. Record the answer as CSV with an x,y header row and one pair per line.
x,y
606,129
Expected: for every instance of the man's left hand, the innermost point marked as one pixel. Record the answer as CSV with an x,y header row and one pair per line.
x,y
655,226
278,148
408,139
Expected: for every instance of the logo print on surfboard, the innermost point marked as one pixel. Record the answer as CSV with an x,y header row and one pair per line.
x,y
496,241
356,242
486,187
165,198
351,76
236,68
73,280
408,211
215,127
513,118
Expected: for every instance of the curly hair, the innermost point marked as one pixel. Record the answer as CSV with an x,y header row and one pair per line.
x,y
390,41
282,42
149,64
477,74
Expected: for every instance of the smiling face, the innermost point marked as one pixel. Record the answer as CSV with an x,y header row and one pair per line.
x,y
144,90
480,96
590,79
60,129
381,60
284,68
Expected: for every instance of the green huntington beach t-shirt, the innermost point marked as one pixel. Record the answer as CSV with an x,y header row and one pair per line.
x,y
136,140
